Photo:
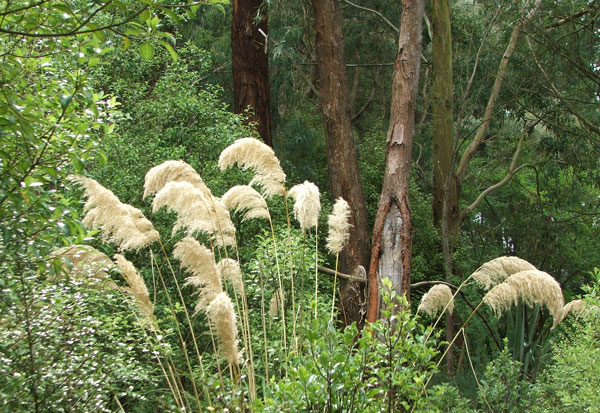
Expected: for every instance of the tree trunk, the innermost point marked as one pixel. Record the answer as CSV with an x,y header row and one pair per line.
x,y
445,195
251,65
392,235
342,159
444,186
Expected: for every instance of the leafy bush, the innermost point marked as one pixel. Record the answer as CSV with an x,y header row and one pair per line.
x,y
383,369
502,388
65,348
570,383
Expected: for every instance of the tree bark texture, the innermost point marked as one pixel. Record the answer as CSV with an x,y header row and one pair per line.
x,y
445,196
251,65
341,149
444,185
392,234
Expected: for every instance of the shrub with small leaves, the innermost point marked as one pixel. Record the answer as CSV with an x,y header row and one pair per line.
x,y
67,348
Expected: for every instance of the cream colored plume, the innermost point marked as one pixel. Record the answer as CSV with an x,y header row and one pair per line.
x,y
499,269
533,287
199,261
85,264
137,288
579,308
196,211
222,316
436,299
120,223
245,198
277,302
172,171
339,227
229,270
307,204
250,153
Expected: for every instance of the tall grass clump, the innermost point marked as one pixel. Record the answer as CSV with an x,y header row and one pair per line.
x,y
209,291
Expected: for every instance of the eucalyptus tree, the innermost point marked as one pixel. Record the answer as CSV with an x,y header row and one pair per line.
x,y
342,158
250,63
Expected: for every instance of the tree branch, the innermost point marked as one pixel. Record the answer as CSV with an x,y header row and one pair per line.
x,y
512,170
389,23
490,108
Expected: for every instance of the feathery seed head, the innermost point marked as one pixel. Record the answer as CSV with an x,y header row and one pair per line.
x,y
250,153
229,270
222,315
86,264
436,299
172,171
120,223
339,227
533,287
578,308
199,261
307,204
244,197
195,211
137,288
499,269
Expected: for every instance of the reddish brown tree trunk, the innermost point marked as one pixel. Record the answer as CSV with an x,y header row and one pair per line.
x,y
392,235
251,65
341,150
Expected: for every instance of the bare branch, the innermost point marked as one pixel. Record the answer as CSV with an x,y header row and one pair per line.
x,y
512,170
389,23
490,109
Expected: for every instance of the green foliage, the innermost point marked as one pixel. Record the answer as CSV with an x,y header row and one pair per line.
x,y
64,347
570,383
383,368
502,388
169,112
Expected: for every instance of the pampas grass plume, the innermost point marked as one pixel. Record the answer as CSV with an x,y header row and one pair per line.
x,y
120,223
196,211
199,261
339,227
246,198
229,270
533,287
137,288
221,314
499,269
85,264
436,299
250,153
576,307
307,205
172,171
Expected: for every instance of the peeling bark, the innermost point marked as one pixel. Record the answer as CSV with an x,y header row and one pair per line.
x,y
392,235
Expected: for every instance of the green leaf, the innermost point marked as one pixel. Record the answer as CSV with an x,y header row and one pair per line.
x,y
170,49
126,42
65,101
147,51
145,15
